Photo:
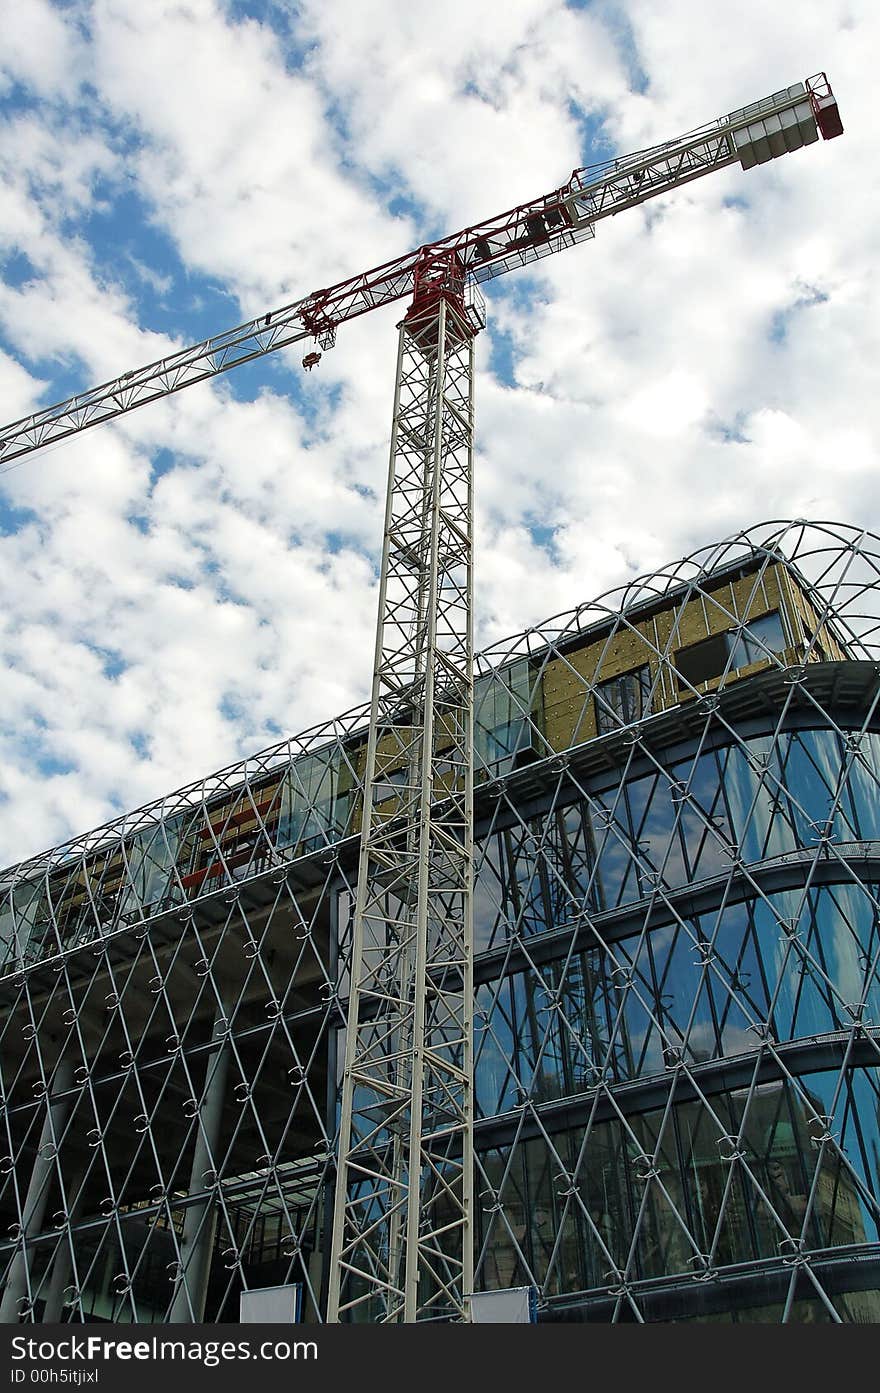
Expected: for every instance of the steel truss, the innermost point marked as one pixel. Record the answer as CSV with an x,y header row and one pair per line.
x,y
561,218
402,1245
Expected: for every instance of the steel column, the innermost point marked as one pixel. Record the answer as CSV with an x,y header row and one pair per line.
x,y
199,1224
34,1209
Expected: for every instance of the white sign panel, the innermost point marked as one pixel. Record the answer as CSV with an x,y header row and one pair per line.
x,y
271,1305
509,1306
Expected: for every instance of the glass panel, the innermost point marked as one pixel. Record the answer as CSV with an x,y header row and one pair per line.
x,y
506,1224
760,638
7,926
616,872
676,827
502,727
488,914
494,1053
624,699
863,782
738,1178
811,774
32,925
151,856
738,982
315,801
603,1181
700,988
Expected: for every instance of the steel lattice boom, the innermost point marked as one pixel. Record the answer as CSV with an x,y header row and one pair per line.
x,y
402,1243
567,215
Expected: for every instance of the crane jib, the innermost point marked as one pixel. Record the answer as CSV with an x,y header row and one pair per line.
x,y
776,125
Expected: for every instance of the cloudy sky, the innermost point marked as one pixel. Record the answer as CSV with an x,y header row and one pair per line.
x,y
194,582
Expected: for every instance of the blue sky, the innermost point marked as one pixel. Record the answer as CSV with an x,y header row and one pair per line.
x,y
182,587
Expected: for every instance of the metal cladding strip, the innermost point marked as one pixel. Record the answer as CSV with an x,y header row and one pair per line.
x,y
522,235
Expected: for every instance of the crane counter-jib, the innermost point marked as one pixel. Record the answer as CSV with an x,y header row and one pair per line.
x,y
776,125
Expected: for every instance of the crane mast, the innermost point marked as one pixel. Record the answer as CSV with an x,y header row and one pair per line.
x,y
402,1247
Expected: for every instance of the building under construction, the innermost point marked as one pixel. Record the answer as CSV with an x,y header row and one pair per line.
x,y
676,981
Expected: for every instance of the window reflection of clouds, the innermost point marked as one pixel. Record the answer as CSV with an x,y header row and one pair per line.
x,y
850,954
630,1007
785,1188
612,849
631,1002
763,798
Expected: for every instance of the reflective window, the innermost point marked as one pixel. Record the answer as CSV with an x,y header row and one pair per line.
x,y
735,648
738,1177
315,801
759,638
678,826
806,961
622,700
504,715
26,923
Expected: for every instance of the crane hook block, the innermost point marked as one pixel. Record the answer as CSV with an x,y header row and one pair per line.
x,y
311,360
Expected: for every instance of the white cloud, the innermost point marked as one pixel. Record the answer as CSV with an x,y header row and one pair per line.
x,y
471,114
41,48
237,160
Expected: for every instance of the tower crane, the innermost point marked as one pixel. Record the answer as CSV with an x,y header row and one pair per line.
x,y
402,1232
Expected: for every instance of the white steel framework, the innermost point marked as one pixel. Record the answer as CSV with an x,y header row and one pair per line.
x,y
677,980
402,1246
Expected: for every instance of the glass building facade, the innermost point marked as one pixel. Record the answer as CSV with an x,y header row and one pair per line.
x,y
677,928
